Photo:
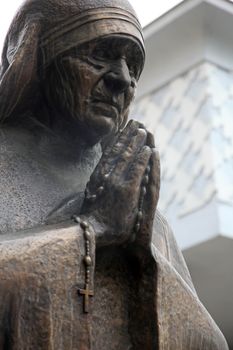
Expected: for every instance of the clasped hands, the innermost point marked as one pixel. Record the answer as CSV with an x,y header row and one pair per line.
x,y
123,191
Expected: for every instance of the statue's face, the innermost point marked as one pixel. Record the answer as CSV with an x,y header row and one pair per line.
x,y
98,83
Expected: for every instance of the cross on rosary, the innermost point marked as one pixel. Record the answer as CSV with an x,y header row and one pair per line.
x,y
86,293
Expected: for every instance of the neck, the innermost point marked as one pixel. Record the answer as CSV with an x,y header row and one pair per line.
x,y
65,144
62,136
59,143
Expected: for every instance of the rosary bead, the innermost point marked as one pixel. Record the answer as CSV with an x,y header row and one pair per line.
x,y
143,191
148,169
87,236
106,176
140,215
92,198
76,219
84,225
145,180
88,260
100,190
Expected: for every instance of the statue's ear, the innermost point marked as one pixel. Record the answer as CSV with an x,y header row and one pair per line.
x,y
19,69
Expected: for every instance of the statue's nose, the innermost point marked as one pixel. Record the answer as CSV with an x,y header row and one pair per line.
x,y
118,78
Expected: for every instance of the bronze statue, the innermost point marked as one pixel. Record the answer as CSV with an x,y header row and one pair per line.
x,y
86,260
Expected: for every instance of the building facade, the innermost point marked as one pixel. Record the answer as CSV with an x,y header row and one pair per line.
x,y
186,99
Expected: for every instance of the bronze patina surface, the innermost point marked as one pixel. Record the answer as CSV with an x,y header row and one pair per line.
x,y
86,260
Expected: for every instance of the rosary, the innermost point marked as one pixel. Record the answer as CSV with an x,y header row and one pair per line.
x,y
86,292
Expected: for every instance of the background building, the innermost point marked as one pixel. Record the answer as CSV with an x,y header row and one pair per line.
x,y
186,98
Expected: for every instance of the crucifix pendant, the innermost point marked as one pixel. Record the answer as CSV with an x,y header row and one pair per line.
x,y
86,293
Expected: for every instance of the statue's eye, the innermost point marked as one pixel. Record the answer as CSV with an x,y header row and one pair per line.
x,y
105,50
101,53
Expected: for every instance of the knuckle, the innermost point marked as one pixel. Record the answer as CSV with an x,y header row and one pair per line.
x,y
127,154
117,146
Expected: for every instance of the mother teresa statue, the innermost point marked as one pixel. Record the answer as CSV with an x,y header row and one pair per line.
x,y
86,260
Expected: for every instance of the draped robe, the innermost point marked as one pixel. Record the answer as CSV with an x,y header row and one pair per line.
x,y
157,308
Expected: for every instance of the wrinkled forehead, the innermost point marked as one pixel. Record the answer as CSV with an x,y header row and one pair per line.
x,y
88,26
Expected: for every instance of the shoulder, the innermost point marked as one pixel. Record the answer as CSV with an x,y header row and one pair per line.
x,y
16,154
21,202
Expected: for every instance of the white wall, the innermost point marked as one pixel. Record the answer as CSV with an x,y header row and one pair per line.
x,y
191,118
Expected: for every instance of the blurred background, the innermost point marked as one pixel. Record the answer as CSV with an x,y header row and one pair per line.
x,y
185,97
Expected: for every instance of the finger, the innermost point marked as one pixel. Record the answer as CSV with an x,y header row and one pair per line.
x,y
129,157
150,200
112,152
138,168
115,139
140,125
153,186
123,139
150,140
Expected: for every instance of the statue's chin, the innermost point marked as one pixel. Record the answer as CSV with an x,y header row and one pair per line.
x,y
98,125
104,118
102,129
94,131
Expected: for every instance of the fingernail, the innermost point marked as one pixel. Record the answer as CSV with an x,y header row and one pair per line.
x,y
142,131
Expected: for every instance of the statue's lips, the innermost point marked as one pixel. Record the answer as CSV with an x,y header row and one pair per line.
x,y
108,107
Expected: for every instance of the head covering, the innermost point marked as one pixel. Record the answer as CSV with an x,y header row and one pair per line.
x,y
44,29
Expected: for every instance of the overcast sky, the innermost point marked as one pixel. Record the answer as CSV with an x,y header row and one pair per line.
x,y
147,11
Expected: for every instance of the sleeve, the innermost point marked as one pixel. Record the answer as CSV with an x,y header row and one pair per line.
x,y
182,320
164,240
